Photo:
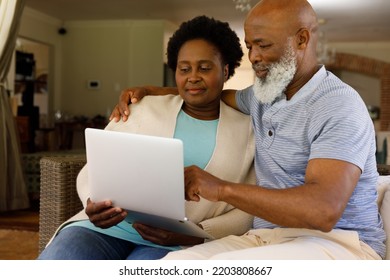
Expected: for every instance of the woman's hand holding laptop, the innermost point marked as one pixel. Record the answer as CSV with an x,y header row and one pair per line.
x,y
103,214
165,237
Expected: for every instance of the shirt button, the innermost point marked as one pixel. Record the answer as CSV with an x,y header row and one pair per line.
x,y
270,133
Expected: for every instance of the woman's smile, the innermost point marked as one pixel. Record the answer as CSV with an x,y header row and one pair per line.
x,y
195,90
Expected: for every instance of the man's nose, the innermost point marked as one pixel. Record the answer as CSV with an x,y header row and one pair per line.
x,y
255,56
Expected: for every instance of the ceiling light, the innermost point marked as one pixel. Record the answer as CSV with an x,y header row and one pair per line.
x,y
325,54
243,5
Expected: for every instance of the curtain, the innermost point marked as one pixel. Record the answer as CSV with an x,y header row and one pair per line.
x,y
13,192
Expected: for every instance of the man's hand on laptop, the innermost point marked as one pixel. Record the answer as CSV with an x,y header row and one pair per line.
x,y
199,183
103,214
165,237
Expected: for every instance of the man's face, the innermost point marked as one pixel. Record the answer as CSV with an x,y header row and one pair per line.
x,y
272,55
266,44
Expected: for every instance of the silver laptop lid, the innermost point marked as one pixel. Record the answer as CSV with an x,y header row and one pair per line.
x,y
137,172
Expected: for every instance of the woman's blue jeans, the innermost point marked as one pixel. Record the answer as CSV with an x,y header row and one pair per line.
x,y
78,243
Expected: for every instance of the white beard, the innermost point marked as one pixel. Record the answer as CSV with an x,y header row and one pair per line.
x,y
279,76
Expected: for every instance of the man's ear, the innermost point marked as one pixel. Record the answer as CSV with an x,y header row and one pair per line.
x,y
302,38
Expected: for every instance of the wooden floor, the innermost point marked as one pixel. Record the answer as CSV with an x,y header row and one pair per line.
x,y
19,235
25,219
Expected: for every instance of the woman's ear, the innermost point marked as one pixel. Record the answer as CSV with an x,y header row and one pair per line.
x,y
226,72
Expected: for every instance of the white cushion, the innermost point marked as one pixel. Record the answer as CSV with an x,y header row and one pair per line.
x,y
385,212
383,188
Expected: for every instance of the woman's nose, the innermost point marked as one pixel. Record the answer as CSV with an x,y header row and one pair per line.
x,y
194,77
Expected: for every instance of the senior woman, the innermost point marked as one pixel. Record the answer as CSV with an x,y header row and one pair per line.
x,y
204,53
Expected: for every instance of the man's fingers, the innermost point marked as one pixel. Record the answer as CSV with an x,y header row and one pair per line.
x,y
119,112
191,191
127,96
192,197
124,111
137,94
115,114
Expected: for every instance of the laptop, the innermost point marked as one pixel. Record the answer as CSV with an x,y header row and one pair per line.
x,y
143,175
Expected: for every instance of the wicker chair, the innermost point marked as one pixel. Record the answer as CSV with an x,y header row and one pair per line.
x,y
58,195
59,199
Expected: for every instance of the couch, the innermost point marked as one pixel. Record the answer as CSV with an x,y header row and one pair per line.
x,y
59,199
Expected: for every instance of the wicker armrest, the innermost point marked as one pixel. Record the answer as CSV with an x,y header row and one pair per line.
x,y
58,194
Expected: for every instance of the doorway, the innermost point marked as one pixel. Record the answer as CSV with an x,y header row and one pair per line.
x,y
31,93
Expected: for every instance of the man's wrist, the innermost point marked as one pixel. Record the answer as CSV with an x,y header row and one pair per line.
x,y
226,191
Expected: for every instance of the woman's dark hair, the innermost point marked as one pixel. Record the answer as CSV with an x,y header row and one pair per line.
x,y
213,31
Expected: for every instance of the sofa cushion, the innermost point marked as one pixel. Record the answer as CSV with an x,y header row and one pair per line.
x,y
383,188
385,212
383,185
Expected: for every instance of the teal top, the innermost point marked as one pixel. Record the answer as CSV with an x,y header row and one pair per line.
x,y
199,138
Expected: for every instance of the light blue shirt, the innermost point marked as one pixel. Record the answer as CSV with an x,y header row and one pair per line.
x,y
198,138
325,119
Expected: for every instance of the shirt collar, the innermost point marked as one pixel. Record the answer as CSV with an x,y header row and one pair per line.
x,y
310,86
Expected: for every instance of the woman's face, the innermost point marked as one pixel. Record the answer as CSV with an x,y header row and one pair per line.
x,y
200,75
